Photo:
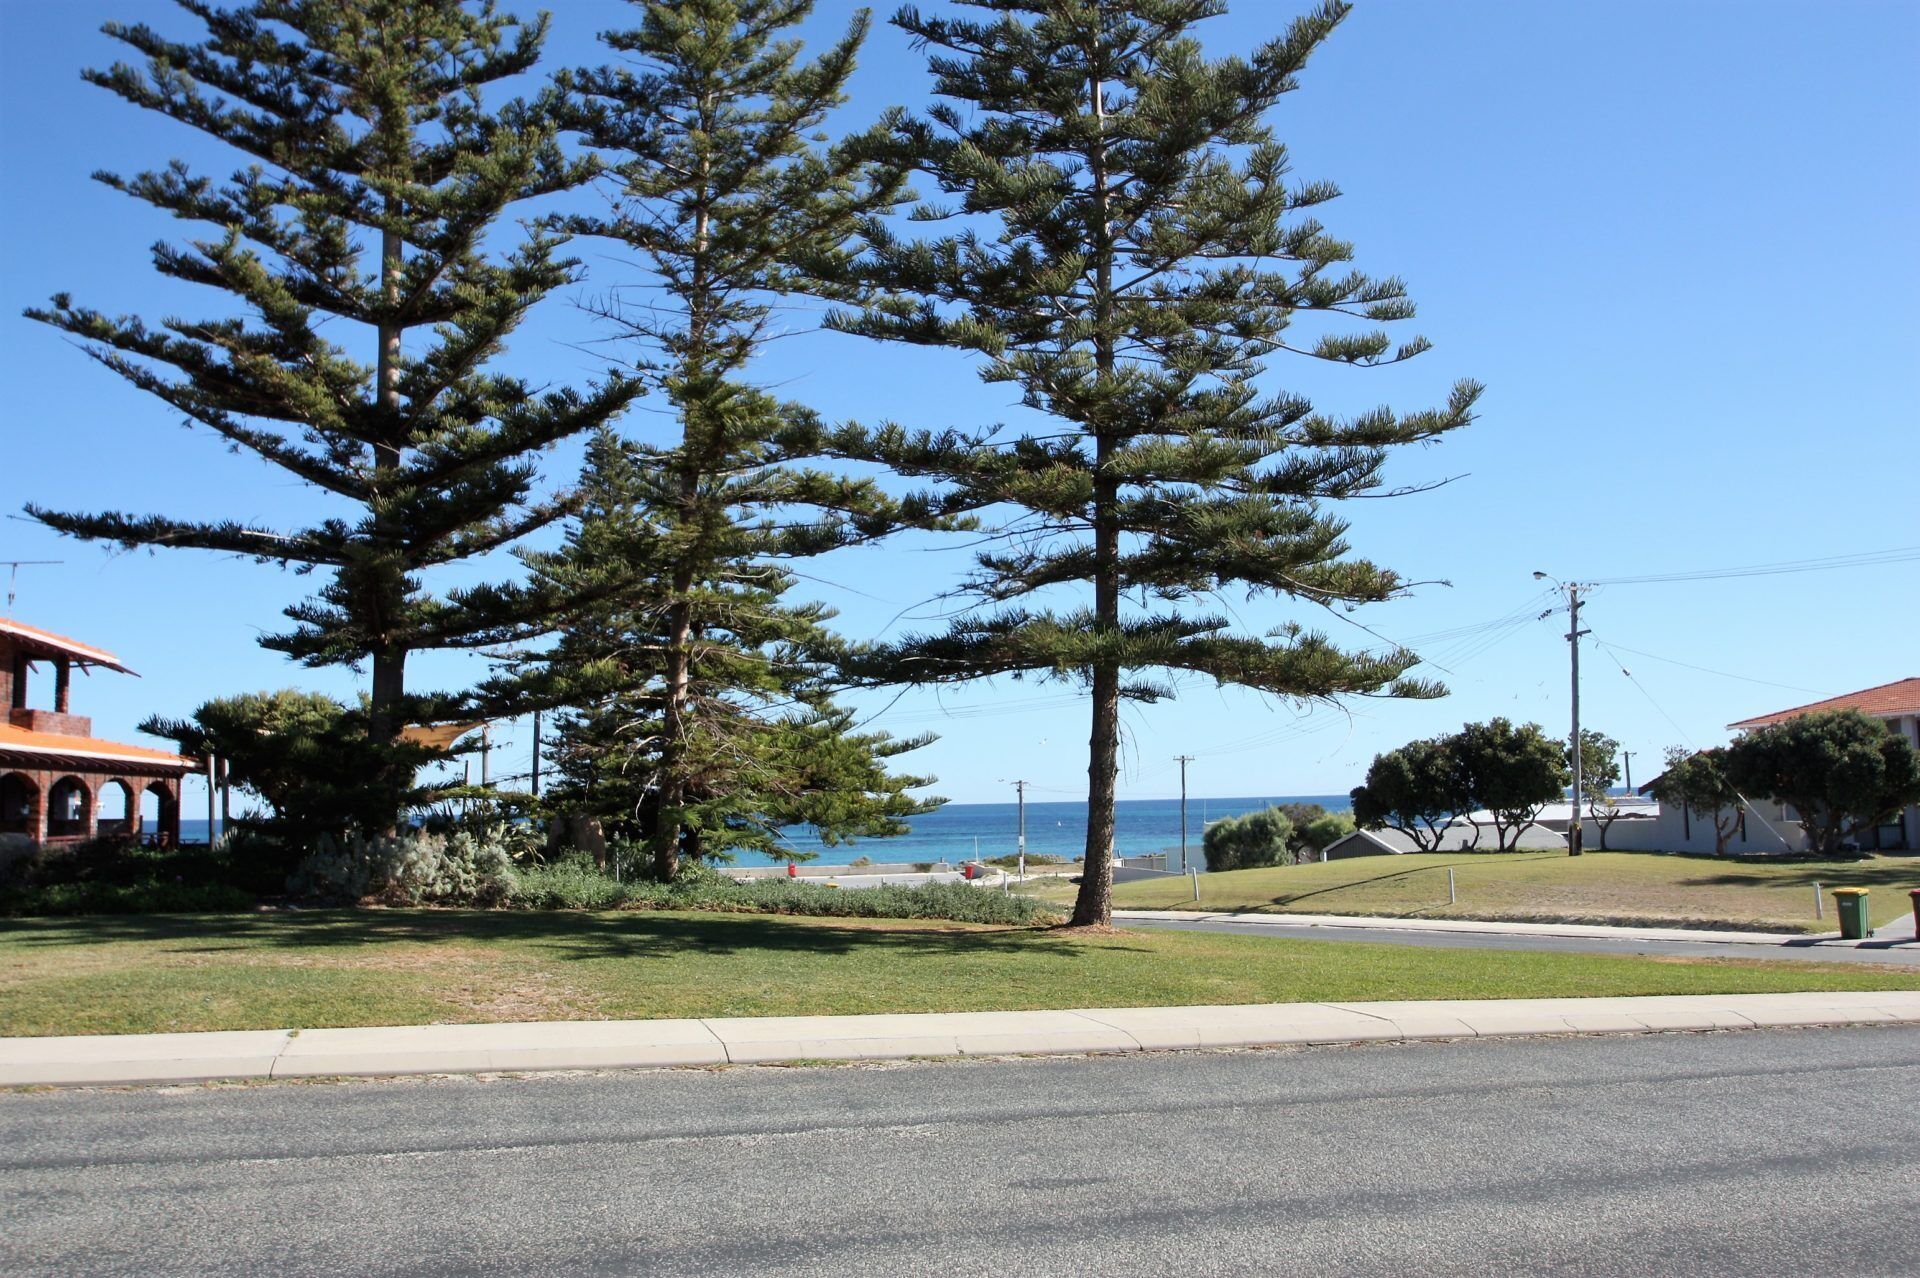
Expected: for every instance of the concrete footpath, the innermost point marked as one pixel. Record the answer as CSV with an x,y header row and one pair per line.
x,y
1898,932
571,1045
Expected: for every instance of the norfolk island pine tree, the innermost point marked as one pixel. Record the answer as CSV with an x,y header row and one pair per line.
x,y
706,712
367,138
1126,207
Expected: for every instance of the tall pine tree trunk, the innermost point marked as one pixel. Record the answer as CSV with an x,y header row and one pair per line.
x,y
673,754
665,837
390,656
1094,905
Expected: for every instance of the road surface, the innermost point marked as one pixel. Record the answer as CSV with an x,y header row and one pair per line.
x,y
1761,1152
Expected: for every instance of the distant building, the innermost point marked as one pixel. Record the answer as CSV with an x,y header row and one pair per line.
x,y
56,777
1897,704
1768,827
1457,837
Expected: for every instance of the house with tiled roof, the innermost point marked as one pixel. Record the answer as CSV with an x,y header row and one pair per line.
x,y
1898,705
58,782
1763,826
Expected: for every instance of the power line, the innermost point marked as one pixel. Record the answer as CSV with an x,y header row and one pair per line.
x,y
1863,559
1724,674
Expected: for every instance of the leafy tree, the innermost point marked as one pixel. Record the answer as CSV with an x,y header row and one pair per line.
x,y
1842,771
1314,828
298,752
1511,772
1245,842
1697,781
1599,773
1417,789
713,724
368,211
1319,834
1133,250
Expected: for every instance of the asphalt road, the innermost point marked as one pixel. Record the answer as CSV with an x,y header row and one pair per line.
x,y
1764,1152
1897,951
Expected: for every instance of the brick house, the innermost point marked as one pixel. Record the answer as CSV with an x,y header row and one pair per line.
x,y
57,778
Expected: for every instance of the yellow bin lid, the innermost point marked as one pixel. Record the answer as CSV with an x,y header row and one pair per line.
x,y
1851,891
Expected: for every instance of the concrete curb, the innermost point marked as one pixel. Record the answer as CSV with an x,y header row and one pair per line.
x,y
1489,927
555,1045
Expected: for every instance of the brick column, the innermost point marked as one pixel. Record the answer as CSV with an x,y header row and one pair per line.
x,y
37,815
136,790
20,668
170,811
63,686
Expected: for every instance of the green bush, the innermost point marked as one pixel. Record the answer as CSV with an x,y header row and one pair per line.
x,y
1319,834
117,898
116,876
466,867
1244,842
462,868
568,885
1012,860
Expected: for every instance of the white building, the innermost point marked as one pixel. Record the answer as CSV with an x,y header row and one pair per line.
x,y
1765,827
1455,837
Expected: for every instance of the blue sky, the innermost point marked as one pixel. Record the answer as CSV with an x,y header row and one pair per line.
x,y
1675,239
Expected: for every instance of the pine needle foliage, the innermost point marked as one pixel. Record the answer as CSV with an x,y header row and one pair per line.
x,y
1130,248
713,697
358,228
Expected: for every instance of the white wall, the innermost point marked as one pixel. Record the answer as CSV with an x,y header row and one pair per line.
x,y
1675,831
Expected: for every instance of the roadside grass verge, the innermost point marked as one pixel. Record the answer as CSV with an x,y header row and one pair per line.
x,y
141,974
1627,888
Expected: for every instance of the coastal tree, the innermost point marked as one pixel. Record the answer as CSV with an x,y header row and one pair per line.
x,y
370,287
296,751
1131,249
1509,772
1842,772
724,203
1697,782
1599,773
1314,828
768,746
1248,841
1417,789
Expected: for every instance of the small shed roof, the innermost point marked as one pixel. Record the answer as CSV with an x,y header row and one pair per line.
x,y
39,643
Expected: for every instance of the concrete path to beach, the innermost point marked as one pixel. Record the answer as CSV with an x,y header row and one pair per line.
x,y
1893,943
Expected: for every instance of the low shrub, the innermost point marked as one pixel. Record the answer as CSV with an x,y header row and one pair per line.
x,y
568,885
1249,841
118,876
466,867
116,898
1012,860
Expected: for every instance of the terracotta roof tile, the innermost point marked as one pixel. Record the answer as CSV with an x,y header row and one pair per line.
x,y
1887,701
20,741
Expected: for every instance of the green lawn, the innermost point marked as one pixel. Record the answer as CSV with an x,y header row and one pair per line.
x,y
1600,887
185,972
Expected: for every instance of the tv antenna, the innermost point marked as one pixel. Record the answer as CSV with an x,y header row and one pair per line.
x,y
13,576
